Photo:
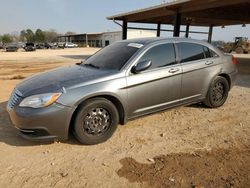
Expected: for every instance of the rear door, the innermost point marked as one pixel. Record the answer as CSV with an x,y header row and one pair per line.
x,y
159,86
199,66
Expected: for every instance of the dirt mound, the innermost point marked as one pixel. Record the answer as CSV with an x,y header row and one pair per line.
x,y
216,168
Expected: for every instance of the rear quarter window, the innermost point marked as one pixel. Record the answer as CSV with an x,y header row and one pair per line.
x,y
209,53
213,53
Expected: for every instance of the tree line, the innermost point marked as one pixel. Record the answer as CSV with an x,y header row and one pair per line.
x,y
39,36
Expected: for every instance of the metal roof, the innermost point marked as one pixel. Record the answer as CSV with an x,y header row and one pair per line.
x,y
194,12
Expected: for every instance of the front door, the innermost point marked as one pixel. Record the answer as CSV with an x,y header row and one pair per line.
x,y
157,87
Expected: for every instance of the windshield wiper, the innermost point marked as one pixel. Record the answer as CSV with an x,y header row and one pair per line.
x,y
91,65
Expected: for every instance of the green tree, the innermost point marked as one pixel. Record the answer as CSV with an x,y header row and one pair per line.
x,y
39,36
6,38
29,35
23,36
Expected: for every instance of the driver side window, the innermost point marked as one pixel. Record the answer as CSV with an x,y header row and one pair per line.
x,y
161,55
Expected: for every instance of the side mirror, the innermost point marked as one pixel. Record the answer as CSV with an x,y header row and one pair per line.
x,y
79,63
141,66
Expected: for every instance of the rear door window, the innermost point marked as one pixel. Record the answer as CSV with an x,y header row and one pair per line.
x,y
161,55
190,52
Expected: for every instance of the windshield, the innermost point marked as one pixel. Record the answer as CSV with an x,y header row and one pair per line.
x,y
113,56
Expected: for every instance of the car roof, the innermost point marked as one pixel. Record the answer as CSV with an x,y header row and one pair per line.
x,y
149,40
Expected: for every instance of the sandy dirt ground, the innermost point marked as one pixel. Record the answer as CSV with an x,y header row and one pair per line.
x,y
190,146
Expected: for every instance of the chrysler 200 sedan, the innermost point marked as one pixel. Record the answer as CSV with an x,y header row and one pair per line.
x,y
123,81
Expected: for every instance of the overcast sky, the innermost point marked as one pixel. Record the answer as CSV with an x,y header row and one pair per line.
x,y
84,16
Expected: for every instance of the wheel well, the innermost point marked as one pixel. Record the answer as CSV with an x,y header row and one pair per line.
x,y
114,100
227,78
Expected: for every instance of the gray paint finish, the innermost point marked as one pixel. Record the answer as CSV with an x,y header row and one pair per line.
x,y
139,94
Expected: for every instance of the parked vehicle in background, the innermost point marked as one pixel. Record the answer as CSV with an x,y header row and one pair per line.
x,y
123,81
50,45
1,46
40,46
240,45
11,48
46,45
20,44
29,47
70,45
61,45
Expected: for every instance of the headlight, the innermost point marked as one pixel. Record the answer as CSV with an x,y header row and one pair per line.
x,y
39,101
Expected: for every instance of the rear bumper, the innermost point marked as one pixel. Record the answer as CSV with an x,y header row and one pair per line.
x,y
45,124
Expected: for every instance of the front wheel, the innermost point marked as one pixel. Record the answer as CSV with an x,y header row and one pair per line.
x,y
239,50
217,92
96,121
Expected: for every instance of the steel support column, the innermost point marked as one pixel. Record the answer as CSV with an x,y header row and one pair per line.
x,y
210,33
158,33
124,30
177,25
87,42
187,31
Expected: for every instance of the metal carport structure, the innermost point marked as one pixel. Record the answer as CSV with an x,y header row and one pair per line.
x,y
209,13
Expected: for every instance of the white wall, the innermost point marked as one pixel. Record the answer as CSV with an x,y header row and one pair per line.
x,y
116,36
140,34
111,37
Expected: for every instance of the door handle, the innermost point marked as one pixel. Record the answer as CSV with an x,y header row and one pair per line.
x,y
209,62
173,70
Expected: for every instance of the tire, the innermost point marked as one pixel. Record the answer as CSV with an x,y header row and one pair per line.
x,y
239,50
96,121
217,92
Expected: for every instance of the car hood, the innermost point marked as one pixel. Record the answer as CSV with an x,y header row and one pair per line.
x,y
55,80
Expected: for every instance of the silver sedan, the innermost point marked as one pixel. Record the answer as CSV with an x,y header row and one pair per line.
x,y
123,81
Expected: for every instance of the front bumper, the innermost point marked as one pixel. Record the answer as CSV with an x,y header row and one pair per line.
x,y
46,124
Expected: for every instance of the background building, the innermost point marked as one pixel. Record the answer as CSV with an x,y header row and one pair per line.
x,y
103,39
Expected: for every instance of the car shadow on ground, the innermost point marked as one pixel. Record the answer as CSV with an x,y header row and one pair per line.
x,y
198,105
10,135
80,57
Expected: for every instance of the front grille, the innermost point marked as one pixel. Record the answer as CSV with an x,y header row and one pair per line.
x,y
15,98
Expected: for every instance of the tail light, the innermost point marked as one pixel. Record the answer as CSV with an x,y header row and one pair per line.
x,y
234,60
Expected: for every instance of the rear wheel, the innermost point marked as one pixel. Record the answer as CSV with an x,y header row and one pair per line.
x,y
96,121
217,93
